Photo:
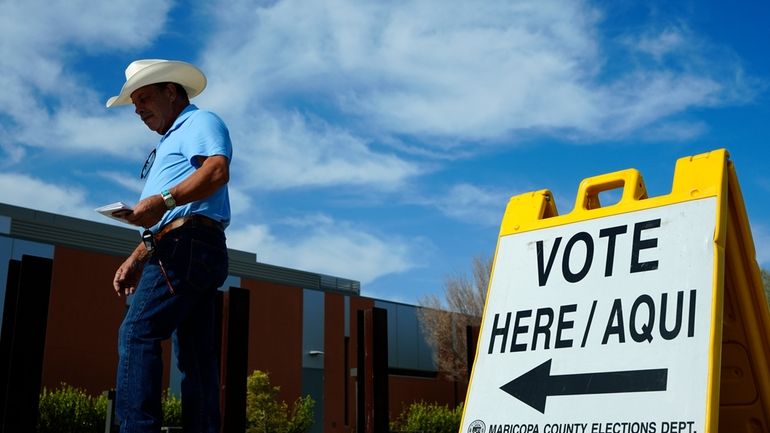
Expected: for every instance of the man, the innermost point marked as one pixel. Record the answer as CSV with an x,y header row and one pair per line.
x,y
174,273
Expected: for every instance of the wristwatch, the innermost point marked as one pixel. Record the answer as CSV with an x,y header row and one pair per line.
x,y
168,199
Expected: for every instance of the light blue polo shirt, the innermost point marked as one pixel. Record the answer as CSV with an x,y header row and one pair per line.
x,y
194,133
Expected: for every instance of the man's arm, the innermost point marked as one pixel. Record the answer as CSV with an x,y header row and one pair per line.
x,y
213,173
128,274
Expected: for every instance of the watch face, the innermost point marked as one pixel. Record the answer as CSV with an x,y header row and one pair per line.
x,y
168,199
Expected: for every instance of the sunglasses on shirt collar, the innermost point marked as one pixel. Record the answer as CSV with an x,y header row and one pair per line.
x,y
147,165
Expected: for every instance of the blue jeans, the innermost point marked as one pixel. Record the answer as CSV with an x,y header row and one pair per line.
x,y
195,260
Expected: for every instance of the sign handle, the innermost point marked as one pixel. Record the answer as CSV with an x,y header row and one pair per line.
x,y
629,180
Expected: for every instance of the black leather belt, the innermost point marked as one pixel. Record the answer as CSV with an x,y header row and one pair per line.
x,y
189,221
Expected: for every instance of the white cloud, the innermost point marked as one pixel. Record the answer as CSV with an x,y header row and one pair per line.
x,y
443,73
316,108
118,134
240,202
451,69
659,43
273,152
673,131
472,204
47,25
37,38
420,68
329,247
648,97
25,191
125,180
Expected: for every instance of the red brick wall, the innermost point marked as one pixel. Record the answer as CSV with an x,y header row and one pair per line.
x,y
83,319
275,335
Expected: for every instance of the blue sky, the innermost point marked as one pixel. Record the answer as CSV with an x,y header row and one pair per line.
x,y
380,141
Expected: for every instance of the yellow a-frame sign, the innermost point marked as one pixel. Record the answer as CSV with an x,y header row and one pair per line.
x,y
645,316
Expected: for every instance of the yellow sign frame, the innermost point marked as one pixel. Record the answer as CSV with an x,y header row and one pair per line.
x,y
739,366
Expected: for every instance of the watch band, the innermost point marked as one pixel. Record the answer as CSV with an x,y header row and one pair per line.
x,y
168,199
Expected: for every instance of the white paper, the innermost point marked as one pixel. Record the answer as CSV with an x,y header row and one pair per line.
x,y
116,211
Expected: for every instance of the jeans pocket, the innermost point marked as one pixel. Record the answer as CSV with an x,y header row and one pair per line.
x,y
206,267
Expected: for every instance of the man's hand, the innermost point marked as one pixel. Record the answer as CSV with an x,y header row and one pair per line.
x,y
127,276
148,211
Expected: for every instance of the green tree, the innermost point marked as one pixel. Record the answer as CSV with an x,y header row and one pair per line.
x,y
265,414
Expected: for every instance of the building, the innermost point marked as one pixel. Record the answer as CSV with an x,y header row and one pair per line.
x,y
302,325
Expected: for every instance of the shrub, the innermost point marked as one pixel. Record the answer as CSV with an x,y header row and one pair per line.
x,y
70,410
428,418
265,414
172,410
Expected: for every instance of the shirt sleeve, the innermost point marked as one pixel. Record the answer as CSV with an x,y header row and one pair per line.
x,y
210,137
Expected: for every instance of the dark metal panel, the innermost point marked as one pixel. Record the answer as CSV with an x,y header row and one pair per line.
x,y
408,350
27,343
313,385
313,329
372,373
235,340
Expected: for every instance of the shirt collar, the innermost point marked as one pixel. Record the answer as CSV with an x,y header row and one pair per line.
x,y
183,116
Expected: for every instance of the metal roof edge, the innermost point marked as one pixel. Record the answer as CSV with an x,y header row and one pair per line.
x,y
46,227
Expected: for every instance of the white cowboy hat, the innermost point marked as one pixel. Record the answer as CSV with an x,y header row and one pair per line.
x,y
150,71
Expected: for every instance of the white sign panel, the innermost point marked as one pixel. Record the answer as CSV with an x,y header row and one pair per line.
x,y
599,326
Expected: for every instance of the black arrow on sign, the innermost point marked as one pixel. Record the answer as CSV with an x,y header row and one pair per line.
x,y
534,386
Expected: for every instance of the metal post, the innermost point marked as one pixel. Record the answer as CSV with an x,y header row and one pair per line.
x,y
26,345
234,364
471,340
6,335
372,371
110,421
